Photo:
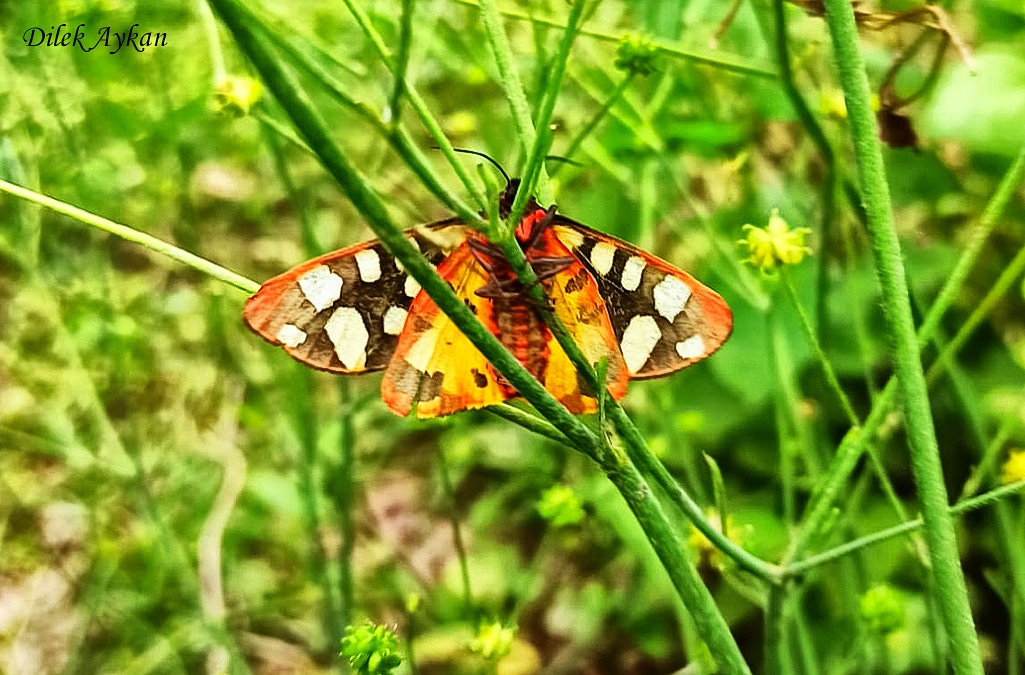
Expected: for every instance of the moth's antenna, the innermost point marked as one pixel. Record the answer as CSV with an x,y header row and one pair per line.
x,y
565,160
487,157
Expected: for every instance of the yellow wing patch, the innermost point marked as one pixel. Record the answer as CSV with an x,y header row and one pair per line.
x,y
435,366
437,369
578,304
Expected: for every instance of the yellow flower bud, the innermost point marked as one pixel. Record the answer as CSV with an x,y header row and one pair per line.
x,y
1014,468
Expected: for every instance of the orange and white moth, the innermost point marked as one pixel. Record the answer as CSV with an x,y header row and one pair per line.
x,y
356,311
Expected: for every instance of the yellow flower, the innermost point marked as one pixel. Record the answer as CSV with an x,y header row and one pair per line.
x,y
493,641
235,95
775,244
1014,467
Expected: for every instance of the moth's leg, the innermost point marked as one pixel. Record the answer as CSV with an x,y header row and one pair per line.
x,y
540,227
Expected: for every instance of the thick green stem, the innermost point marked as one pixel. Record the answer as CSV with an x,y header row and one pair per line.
x,y
670,550
925,462
855,441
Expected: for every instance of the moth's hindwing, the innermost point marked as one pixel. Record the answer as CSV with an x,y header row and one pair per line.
x,y
664,319
435,366
577,301
343,311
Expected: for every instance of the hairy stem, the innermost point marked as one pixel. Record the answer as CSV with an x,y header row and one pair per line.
x,y
925,462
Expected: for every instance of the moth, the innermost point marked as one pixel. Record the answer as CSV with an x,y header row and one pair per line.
x,y
356,310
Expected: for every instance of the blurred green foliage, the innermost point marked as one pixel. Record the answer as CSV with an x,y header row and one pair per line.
x,y
133,401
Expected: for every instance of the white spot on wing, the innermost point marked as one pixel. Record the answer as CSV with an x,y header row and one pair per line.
x,y
411,287
601,257
321,287
632,271
639,338
369,264
290,336
691,348
394,320
349,335
671,296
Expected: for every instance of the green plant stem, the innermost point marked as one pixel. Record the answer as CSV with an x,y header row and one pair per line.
x,y
344,496
528,421
964,506
513,88
401,60
854,442
788,437
818,136
774,640
670,550
709,57
983,229
420,106
396,134
592,124
645,460
638,120
1008,277
457,533
128,234
990,455
834,384
820,355
534,170
213,42
952,593
314,132
305,425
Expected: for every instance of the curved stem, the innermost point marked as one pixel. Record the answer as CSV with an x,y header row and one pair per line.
x,y
128,234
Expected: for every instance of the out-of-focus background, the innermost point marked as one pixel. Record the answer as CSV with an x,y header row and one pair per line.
x,y
174,491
